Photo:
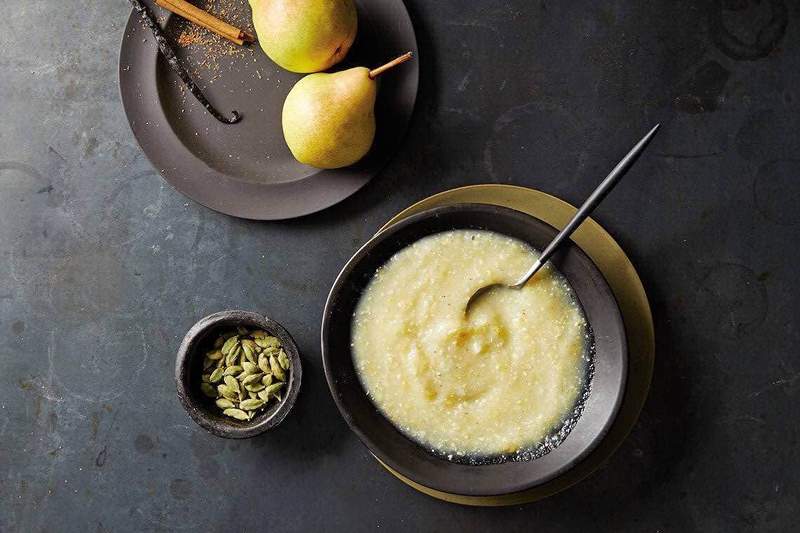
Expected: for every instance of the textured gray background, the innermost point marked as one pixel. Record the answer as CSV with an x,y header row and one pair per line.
x,y
103,267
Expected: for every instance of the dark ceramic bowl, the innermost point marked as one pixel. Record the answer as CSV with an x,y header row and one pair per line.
x,y
413,461
188,368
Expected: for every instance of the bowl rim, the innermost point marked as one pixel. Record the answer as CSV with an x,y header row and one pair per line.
x,y
192,341
333,386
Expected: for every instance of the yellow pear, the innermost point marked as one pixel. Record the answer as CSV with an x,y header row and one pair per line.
x,y
305,35
329,119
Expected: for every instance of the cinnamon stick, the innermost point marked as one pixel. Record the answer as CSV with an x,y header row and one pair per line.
x,y
393,63
205,19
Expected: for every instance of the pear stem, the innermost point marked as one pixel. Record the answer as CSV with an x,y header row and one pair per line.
x,y
393,63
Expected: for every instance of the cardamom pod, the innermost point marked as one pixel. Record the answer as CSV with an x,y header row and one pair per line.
x,y
283,359
231,382
214,355
242,330
229,344
254,387
250,368
249,353
273,389
233,355
205,378
231,370
252,395
227,392
251,405
258,334
275,366
263,363
207,363
219,342
216,375
263,395
266,380
224,403
252,378
235,413
208,390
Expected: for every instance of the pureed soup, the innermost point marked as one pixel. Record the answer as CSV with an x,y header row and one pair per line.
x,y
495,383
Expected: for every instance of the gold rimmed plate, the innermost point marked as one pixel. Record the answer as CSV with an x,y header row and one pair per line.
x,y
629,292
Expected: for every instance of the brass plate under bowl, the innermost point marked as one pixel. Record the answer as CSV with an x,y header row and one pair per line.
x,y
629,292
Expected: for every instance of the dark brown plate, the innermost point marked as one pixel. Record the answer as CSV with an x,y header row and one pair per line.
x,y
414,462
245,169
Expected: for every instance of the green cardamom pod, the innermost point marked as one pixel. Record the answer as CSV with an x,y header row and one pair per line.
x,y
263,363
250,368
216,375
224,403
231,370
231,382
235,413
227,392
233,355
252,378
229,344
275,366
251,405
283,359
273,389
249,353
266,380
208,390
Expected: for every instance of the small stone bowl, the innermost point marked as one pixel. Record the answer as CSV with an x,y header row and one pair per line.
x,y
188,371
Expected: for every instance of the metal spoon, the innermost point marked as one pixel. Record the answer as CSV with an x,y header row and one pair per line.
x,y
585,210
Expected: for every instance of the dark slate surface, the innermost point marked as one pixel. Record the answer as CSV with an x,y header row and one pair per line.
x,y
104,267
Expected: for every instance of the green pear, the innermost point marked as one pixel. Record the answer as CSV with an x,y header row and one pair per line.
x,y
305,35
329,119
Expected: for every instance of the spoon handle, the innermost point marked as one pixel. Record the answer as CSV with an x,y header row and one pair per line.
x,y
588,206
